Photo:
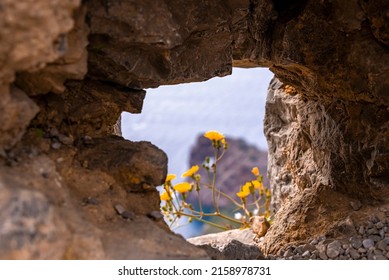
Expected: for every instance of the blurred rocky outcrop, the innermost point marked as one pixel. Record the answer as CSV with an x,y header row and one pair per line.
x,y
233,170
69,68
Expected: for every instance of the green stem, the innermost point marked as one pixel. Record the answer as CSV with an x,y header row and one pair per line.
x,y
213,184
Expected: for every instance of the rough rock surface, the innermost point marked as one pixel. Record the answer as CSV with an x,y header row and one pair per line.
x,y
234,244
66,182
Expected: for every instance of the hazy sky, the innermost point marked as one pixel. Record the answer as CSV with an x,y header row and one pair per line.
x,y
173,116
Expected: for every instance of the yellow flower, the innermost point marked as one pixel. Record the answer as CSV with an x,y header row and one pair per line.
x,y
256,184
190,171
170,177
244,190
183,187
166,196
213,135
255,171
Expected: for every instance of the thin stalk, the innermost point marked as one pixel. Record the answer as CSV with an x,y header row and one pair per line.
x,y
213,184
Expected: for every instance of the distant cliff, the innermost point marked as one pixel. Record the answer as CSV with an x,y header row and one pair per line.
x,y
235,167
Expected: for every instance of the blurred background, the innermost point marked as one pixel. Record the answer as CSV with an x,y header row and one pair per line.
x,y
175,117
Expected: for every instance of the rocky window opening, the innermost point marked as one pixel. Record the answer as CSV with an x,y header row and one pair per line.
x,y
72,188
175,117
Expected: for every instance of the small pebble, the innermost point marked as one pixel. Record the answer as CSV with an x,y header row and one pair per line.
x,y
356,205
377,252
381,245
332,253
379,225
56,145
314,242
372,231
323,256
306,254
124,213
66,140
362,250
367,243
354,254
379,257
375,238
308,247
356,242
288,253
155,215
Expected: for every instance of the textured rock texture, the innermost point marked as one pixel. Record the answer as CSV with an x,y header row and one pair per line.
x,y
69,188
234,244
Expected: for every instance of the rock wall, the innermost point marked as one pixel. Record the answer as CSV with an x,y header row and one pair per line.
x,y
70,187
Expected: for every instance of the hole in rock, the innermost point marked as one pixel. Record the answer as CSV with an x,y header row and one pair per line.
x,y
175,117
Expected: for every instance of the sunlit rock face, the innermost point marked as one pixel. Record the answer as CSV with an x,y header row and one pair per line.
x,y
68,70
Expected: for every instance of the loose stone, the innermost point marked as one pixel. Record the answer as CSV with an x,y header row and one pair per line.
x,y
362,250
379,257
379,225
323,256
368,243
354,254
381,245
314,242
356,242
375,238
306,254
372,231
288,253
332,253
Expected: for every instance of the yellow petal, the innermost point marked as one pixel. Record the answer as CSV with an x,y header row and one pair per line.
x,y
190,171
255,171
183,187
246,187
165,196
256,184
170,177
242,194
213,135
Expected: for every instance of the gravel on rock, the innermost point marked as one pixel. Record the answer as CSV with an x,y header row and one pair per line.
x,y
371,242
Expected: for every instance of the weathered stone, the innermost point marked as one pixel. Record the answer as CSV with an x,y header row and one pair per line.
x,y
356,242
333,249
30,226
161,38
354,254
368,243
71,65
323,256
140,166
16,112
33,34
379,257
232,244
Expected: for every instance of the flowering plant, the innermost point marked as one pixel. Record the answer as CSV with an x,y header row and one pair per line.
x,y
252,198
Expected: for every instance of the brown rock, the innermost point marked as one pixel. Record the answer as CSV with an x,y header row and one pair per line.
x,y
17,110
326,120
32,34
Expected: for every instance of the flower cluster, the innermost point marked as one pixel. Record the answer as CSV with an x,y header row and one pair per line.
x,y
248,201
